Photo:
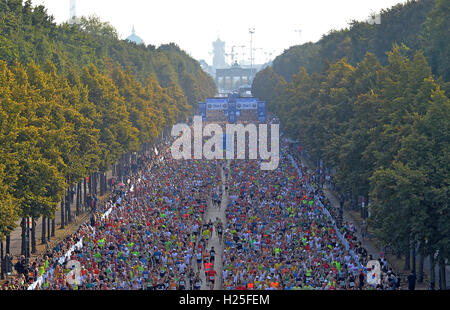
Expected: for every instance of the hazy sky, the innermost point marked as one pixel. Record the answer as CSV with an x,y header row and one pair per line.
x,y
195,24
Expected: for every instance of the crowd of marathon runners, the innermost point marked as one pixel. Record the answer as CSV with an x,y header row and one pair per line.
x,y
279,236
153,234
144,238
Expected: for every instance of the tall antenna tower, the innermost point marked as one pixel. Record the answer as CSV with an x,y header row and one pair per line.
x,y
73,19
73,9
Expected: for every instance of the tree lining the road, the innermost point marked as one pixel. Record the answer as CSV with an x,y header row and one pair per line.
x,y
419,24
75,101
372,101
383,125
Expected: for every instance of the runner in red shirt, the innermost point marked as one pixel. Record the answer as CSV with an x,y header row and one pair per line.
x,y
208,266
212,277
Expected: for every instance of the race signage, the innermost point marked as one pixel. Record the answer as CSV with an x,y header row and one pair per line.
x,y
216,104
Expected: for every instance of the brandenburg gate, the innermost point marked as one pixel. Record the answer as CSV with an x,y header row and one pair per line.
x,y
231,78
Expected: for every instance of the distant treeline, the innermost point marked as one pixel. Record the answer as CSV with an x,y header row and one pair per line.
x,y
28,34
420,25
372,102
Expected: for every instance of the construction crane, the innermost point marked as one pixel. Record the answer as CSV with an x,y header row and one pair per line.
x,y
269,55
233,54
256,49
299,31
242,53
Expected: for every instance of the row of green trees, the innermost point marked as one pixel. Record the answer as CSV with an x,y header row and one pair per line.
x,y
74,102
386,131
380,116
56,130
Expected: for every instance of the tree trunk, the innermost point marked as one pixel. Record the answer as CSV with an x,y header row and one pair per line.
x,y
420,273
77,213
80,194
23,247
413,256
44,227
96,183
68,203
72,196
2,263
48,230
432,271
442,277
27,250
101,184
85,194
62,214
33,235
105,181
53,226
407,260
89,184
8,243
92,184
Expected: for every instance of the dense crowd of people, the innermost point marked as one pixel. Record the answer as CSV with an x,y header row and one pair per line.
x,y
279,236
279,233
144,238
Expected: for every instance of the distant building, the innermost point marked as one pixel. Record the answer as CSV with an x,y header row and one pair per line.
x,y
219,55
134,38
230,79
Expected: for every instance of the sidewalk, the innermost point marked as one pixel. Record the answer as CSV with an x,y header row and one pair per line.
x,y
60,234
16,235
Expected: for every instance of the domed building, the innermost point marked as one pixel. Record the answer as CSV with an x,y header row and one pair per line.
x,y
134,38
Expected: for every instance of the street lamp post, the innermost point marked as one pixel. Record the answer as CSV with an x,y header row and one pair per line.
x,y
251,31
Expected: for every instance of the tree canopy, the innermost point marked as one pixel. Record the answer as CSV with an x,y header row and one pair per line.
x,y
381,120
74,99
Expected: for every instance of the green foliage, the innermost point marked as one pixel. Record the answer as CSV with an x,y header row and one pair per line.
x,y
305,55
399,25
385,131
435,33
266,85
29,34
74,99
8,209
364,99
